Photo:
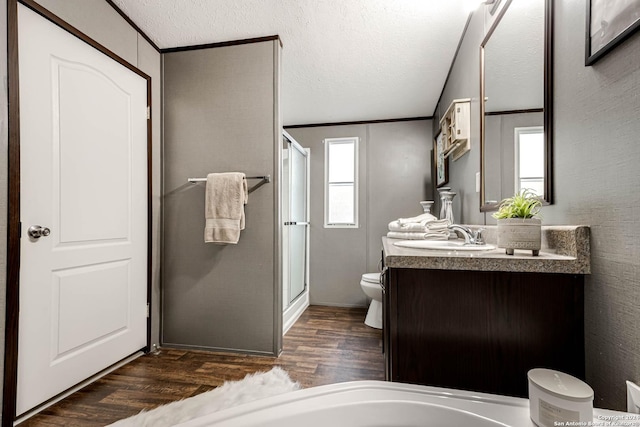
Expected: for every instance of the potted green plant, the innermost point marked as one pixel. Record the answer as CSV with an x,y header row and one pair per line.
x,y
518,227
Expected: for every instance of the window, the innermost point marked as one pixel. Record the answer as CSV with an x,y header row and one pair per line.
x,y
340,182
529,150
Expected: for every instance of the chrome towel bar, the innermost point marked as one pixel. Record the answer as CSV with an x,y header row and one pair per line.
x,y
263,180
266,178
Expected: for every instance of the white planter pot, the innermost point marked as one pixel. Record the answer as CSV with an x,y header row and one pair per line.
x,y
519,233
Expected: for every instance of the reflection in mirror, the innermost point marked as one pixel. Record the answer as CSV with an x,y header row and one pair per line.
x,y
515,138
529,159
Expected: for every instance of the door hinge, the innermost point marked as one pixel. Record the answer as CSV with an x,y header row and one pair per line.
x,y
148,112
147,310
20,230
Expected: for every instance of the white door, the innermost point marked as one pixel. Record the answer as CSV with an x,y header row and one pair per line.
x,y
83,147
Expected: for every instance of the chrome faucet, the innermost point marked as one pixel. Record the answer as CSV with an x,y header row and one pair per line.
x,y
471,237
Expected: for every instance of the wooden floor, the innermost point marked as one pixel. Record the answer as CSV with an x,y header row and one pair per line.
x,y
327,345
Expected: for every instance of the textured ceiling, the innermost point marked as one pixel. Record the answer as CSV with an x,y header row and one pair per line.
x,y
343,60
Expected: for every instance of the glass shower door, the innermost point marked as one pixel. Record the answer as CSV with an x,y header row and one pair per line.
x,y
296,221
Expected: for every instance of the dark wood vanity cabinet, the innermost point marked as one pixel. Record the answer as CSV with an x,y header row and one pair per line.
x,y
481,330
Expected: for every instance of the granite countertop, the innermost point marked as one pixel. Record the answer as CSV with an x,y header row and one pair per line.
x,y
565,249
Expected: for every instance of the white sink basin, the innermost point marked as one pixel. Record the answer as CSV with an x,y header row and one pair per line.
x,y
442,245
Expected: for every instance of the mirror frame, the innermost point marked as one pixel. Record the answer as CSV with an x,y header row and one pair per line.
x,y
547,108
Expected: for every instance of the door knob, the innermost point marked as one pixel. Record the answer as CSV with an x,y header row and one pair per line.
x,y
36,231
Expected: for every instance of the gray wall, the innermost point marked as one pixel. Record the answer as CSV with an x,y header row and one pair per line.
x,y
102,23
394,174
220,115
596,155
464,83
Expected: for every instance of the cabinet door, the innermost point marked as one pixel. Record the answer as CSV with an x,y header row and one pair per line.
x,y
483,331
461,121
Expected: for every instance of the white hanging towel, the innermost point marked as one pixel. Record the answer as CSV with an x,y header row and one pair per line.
x,y
225,197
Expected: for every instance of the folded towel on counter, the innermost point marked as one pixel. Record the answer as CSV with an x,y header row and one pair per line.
x,y
410,226
225,197
427,224
438,235
425,217
439,224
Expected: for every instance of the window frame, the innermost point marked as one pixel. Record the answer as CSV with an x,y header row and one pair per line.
x,y
327,143
523,130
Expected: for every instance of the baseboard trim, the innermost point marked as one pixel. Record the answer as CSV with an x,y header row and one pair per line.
x,y
168,345
331,304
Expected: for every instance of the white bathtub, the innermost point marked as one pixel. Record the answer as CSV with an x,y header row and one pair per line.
x,y
378,403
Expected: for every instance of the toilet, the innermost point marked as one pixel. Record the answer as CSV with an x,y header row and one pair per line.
x,y
370,284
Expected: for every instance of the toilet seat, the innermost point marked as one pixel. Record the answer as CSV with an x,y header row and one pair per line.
x,y
371,277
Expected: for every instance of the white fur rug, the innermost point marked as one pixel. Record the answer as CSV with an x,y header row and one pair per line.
x,y
252,387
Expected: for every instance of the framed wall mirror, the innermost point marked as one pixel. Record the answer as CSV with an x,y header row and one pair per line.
x,y
516,63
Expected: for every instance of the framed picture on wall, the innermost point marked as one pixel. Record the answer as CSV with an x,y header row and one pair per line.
x,y
441,163
609,23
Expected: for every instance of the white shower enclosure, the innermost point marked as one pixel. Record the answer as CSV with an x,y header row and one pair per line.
x,y
295,230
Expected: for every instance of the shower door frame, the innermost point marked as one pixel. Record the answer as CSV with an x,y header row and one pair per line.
x,y
299,304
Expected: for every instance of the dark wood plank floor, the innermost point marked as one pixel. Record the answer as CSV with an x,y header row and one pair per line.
x,y
327,345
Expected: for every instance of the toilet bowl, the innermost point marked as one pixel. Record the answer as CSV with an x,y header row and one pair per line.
x,y
370,284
